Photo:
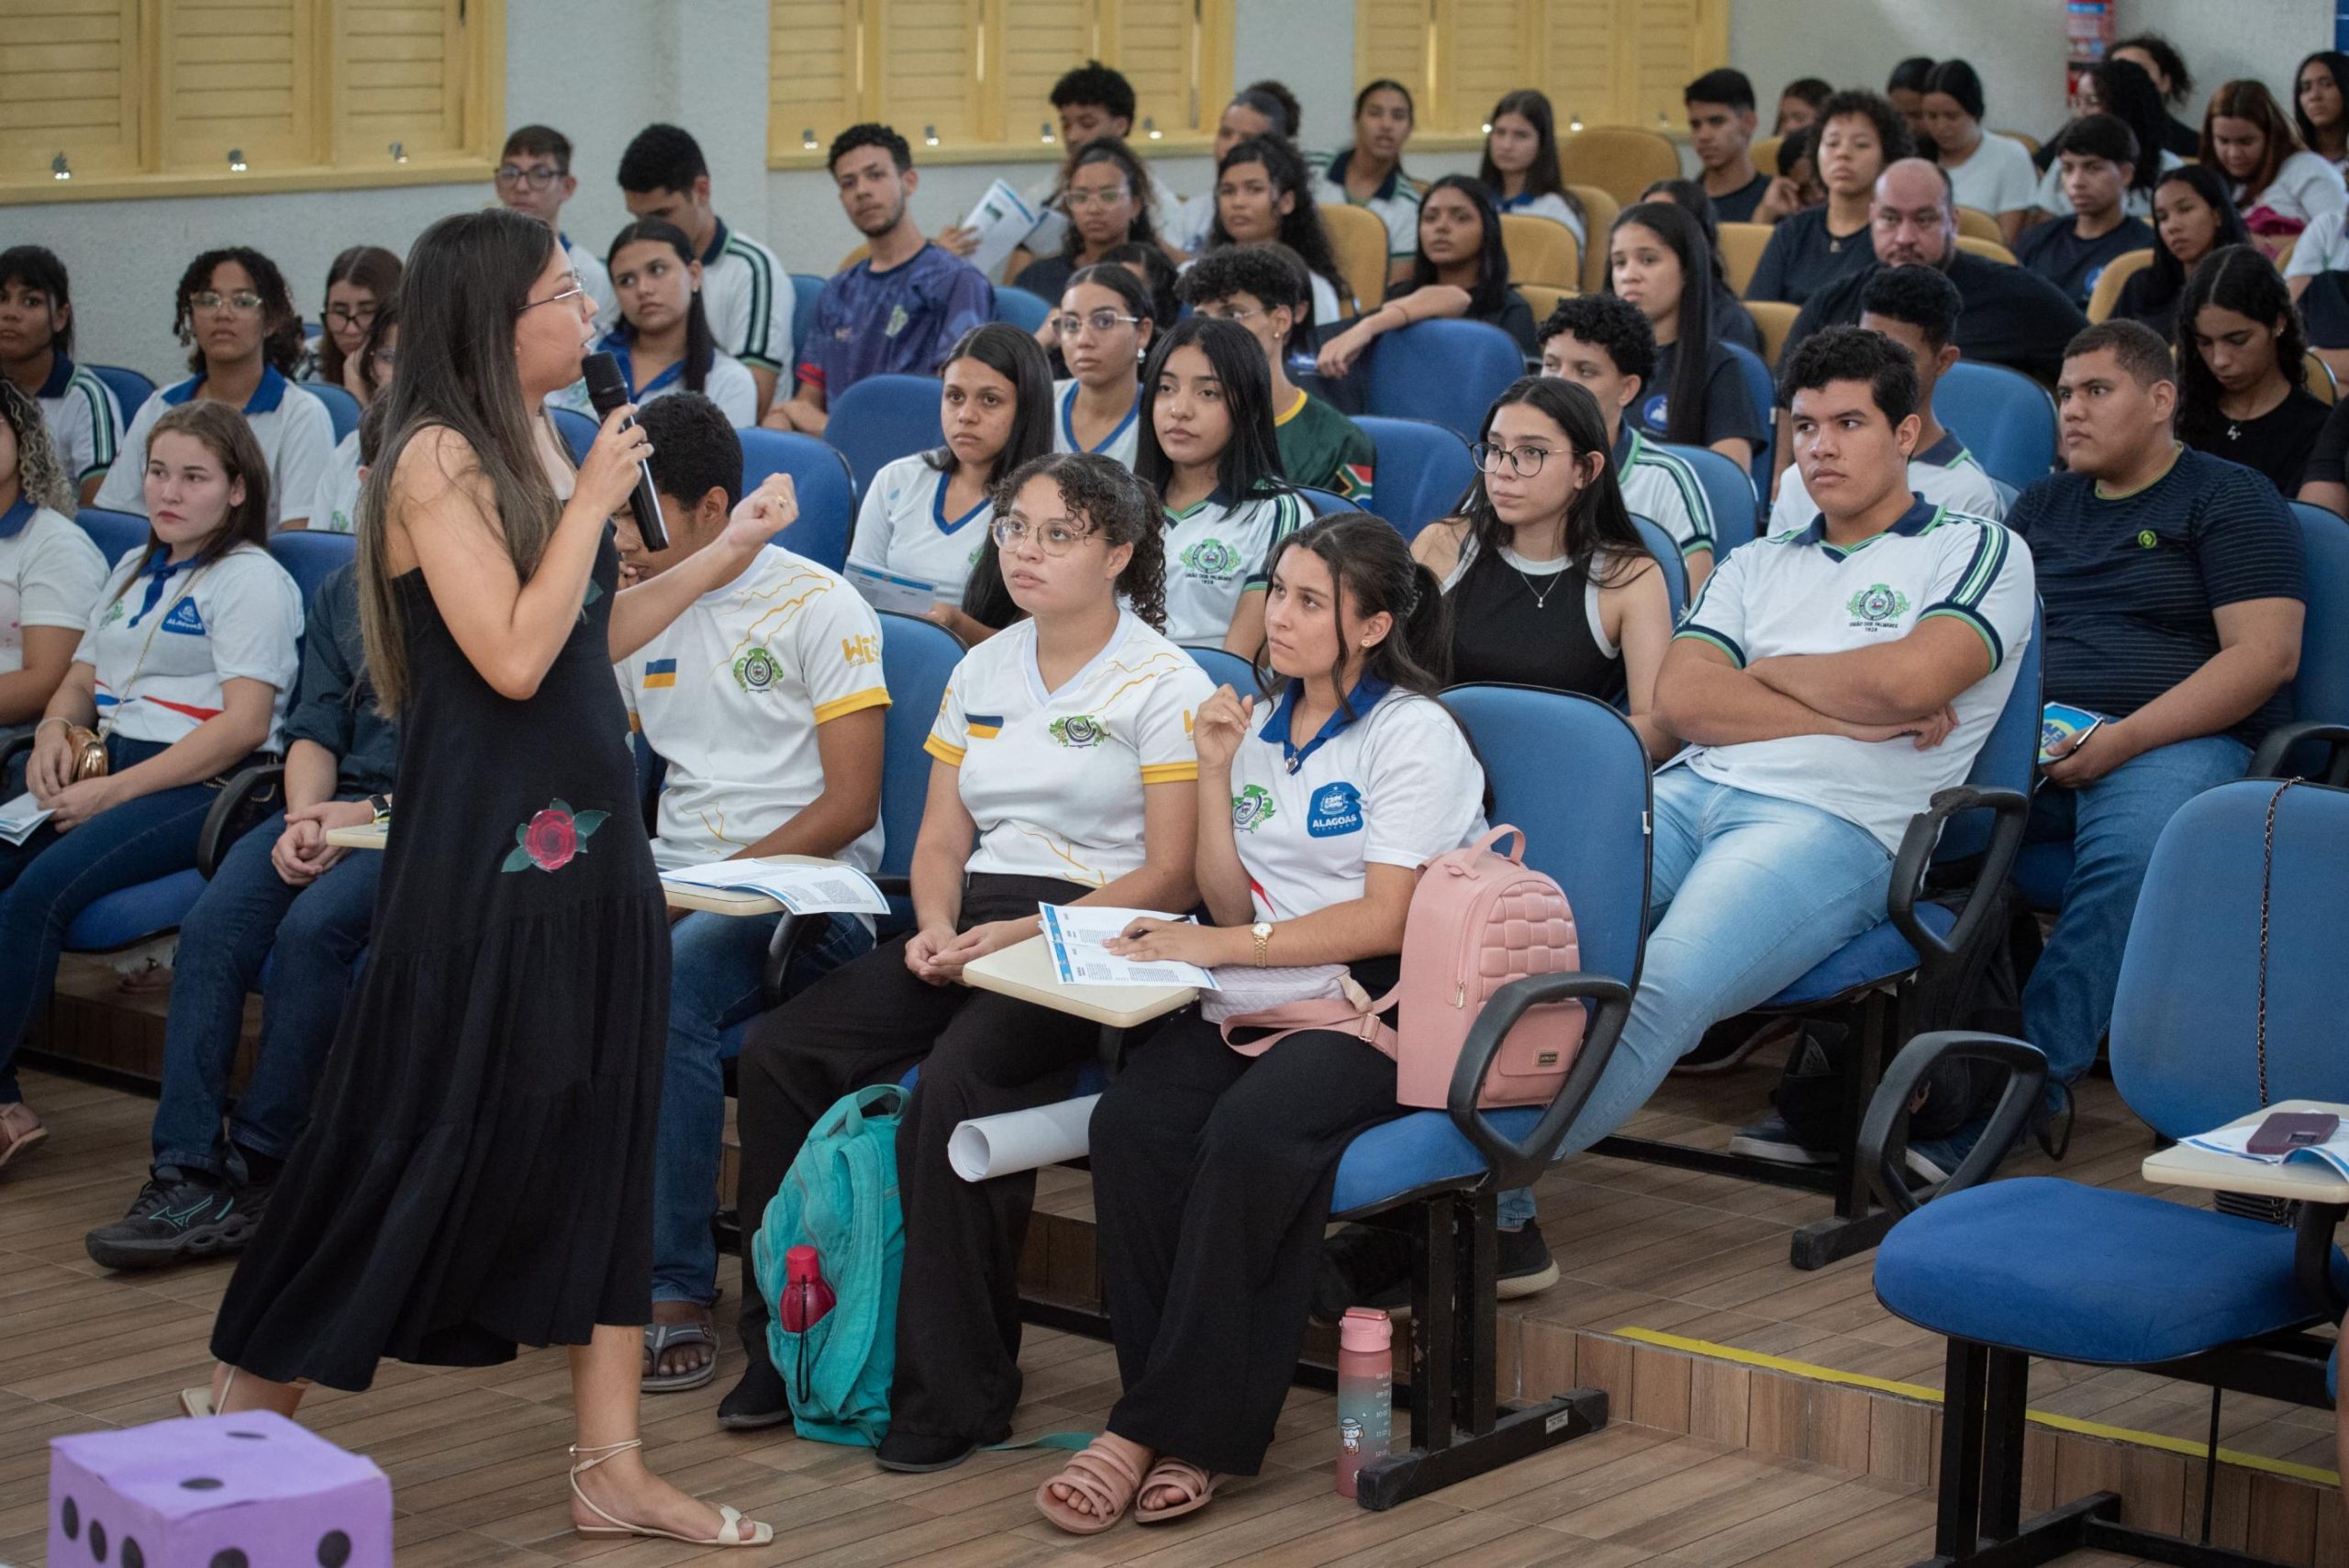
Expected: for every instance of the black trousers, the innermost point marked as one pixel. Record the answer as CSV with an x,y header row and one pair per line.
x,y
1211,1180
869,1022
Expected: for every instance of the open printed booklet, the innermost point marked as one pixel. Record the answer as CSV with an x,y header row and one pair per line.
x,y
802,888
20,817
1074,934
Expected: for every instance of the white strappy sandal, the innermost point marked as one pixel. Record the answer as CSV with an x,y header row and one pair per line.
x,y
735,1531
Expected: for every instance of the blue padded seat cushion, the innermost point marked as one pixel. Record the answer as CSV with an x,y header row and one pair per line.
x,y
2083,1273
1413,1151
1875,956
132,915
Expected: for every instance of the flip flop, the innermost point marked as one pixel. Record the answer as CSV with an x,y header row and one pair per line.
x,y
1105,1477
1198,1486
660,1338
19,1142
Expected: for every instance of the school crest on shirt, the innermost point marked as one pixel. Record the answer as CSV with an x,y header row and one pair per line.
x,y
756,672
897,319
185,619
1252,808
115,612
1877,606
1210,561
1079,731
1336,810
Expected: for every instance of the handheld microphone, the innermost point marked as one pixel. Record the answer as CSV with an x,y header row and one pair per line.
x,y
606,391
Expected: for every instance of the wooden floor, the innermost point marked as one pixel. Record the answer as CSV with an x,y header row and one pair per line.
x,y
476,1457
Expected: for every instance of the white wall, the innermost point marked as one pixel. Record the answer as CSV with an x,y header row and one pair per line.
x,y
2017,45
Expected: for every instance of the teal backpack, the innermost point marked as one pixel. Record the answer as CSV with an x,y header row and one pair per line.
x,y
840,1197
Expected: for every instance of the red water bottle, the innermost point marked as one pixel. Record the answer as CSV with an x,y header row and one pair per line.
x,y
805,1297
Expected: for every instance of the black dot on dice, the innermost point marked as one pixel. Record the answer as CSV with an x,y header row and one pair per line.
x,y
200,1483
97,1540
232,1558
70,1516
131,1556
334,1550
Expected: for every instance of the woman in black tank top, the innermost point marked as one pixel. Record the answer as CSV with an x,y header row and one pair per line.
x,y
1550,584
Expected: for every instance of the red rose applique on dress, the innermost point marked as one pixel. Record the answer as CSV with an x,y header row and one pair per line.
x,y
549,840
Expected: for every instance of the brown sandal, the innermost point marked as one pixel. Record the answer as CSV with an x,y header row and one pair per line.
x,y
1196,1485
1105,1477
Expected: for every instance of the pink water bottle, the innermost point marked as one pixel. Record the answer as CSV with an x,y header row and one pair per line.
x,y
805,1297
1365,1390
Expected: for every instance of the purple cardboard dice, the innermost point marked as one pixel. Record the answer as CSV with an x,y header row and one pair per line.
x,y
248,1491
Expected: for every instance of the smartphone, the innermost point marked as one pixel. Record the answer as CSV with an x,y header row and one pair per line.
x,y
2287,1130
2060,723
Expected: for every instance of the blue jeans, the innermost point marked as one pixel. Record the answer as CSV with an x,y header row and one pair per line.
x,y
714,965
1746,894
2111,825
247,912
52,876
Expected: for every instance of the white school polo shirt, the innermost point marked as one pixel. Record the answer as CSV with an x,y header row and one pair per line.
x,y
729,384
1216,552
50,575
334,508
1794,593
1123,441
296,433
1055,780
1944,475
902,528
1663,488
731,695
748,297
82,418
1397,785
163,647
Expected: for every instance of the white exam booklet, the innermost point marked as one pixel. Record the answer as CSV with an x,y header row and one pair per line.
x,y
1003,220
1073,934
892,591
802,889
20,817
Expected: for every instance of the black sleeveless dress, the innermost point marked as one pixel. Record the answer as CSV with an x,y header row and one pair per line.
x,y
477,1172
1501,632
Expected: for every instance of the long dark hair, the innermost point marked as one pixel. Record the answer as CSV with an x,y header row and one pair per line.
x,y
701,344
1110,150
386,322
1250,463
1684,398
36,267
1374,572
2336,62
1542,176
374,268
40,473
1103,492
1381,85
2129,95
2249,100
1301,229
466,281
1164,307
1120,281
1018,358
2166,275
1601,540
2236,278
1491,297
228,439
281,341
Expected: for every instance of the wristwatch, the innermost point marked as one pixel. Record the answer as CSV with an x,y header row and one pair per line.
x,y
381,805
1263,932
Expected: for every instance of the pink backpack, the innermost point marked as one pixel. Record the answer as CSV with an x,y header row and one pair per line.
x,y
1478,920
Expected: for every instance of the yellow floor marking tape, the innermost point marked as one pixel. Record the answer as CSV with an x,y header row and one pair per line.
x,y
2186,1446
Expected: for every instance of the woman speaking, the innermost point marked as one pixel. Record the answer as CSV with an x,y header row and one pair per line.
x,y
478,1170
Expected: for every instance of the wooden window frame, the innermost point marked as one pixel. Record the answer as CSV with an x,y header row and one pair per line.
x,y
329,164
789,145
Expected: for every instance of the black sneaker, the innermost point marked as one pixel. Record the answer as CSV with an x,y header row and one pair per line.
x,y
1772,1139
175,1217
1526,1266
1364,1265
919,1453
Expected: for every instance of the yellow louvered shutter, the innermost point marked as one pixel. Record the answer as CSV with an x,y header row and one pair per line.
x,y
1156,44
1664,52
1391,41
1487,59
402,79
1037,46
70,83
1579,54
928,79
812,64
238,76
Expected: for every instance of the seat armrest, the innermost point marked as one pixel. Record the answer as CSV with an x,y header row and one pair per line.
x,y
212,840
792,933
1883,1147
2279,744
895,886
1516,1161
1914,861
